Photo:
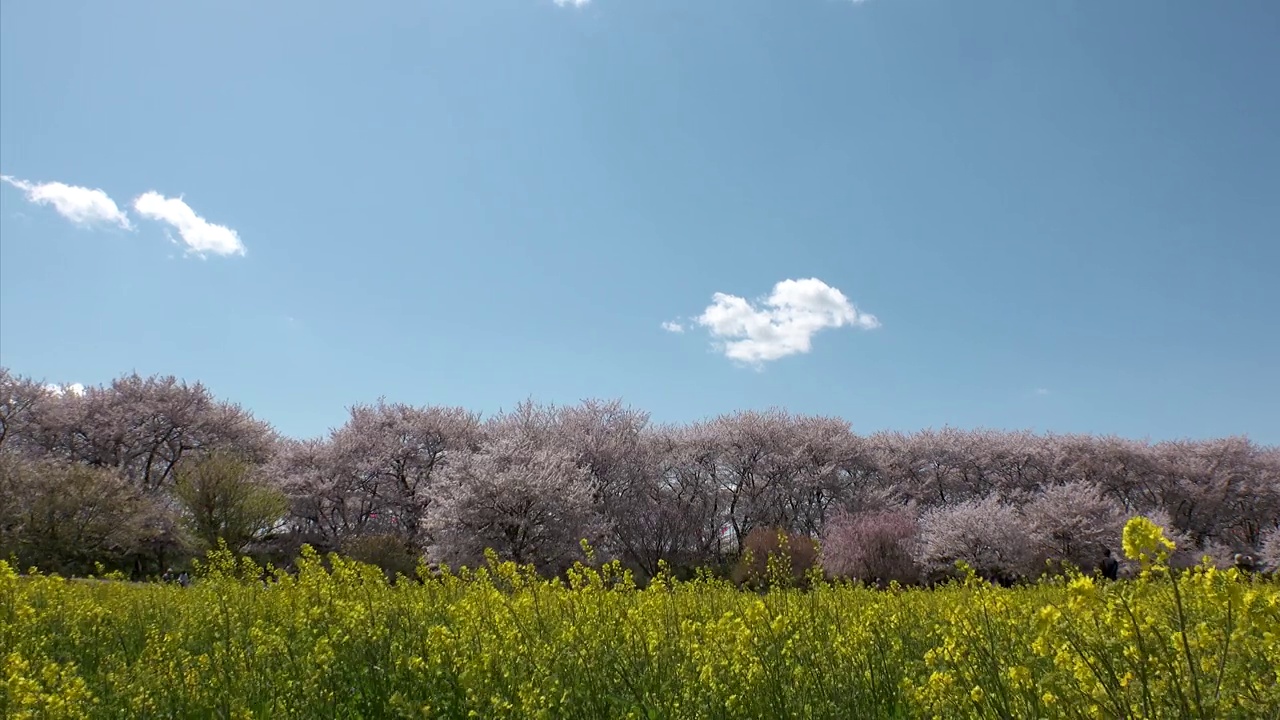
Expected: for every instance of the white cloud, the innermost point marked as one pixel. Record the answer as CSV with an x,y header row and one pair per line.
x,y
783,324
80,205
1042,391
673,327
199,235
60,390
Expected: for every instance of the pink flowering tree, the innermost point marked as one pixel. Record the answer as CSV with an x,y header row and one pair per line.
x,y
523,495
377,474
20,402
1269,551
672,511
143,428
833,469
874,547
989,534
753,455
1223,492
1072,524
391,455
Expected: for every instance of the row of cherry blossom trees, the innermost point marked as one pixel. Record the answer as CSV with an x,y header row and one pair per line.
x,y
397,482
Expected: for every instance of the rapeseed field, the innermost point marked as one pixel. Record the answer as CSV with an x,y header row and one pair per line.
x,y
336,640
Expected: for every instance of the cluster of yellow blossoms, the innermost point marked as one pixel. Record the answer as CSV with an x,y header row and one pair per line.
x,y
337,641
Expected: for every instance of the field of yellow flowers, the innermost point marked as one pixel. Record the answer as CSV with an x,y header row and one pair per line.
x,y
337,641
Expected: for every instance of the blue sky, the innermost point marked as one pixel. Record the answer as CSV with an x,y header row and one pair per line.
x,y
1054,216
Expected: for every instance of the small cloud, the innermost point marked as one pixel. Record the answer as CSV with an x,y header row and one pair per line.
x,y
199,235
673,327
1042,391
783,323
572,3
80,205
60,390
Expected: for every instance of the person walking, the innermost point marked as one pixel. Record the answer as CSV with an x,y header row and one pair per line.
x,y
1244,563
1110,566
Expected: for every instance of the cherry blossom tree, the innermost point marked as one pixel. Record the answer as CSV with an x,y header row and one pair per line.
x,y
755,464
376,474
144,427
833,469
1124,469
324,507
607,439
523,495
933,467
875,547
1073,523
988,533
392,454
1269,551
671,512
1019,461
1224,491
901,465
612,444
974,456
20,400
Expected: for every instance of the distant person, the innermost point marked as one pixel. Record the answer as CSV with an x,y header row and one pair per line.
x,y
1244,563
184,579
167,576
1110,566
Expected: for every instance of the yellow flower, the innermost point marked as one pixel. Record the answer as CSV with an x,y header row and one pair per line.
x,y
1144,540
